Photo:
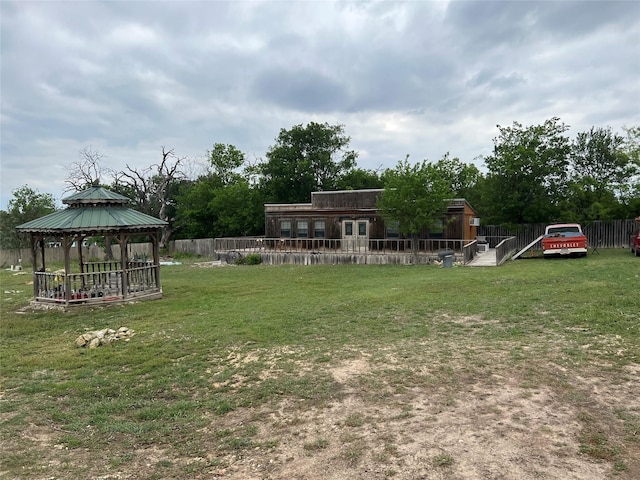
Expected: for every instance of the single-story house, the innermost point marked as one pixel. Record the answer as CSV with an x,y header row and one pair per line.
x,y
351,218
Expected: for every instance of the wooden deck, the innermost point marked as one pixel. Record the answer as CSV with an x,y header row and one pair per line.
x,y
337,258
318,251
484,259
275,251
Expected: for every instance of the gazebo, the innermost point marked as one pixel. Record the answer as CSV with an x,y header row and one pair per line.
x,y
94,212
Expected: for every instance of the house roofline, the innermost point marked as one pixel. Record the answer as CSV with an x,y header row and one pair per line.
x,y
326,192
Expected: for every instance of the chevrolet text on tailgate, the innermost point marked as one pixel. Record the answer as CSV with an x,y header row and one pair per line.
x,y
564,239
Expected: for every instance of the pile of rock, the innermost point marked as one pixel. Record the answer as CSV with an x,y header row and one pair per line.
x,y
104,337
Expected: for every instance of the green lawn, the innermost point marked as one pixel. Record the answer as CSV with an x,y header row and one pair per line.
x,y
228,349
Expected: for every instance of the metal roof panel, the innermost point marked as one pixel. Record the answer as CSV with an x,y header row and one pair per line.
x,y
92,219
96,195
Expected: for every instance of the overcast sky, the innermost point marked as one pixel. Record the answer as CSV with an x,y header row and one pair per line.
x,y
421,78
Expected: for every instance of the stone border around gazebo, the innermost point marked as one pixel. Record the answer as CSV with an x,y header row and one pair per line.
x,y
95,211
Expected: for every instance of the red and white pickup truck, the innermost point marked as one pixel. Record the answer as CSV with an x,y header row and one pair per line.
x,y
634,241
564,239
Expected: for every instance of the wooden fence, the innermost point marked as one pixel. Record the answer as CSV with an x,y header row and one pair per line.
x,y
609,234
202,247
55,255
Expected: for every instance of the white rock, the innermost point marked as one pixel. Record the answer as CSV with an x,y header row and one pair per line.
x,y
103,337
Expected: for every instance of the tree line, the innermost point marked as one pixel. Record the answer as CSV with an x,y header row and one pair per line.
x,y
535,174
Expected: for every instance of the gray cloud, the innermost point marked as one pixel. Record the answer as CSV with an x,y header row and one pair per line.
x,y
418,78
304,90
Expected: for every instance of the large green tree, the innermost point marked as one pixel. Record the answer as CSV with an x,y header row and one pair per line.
x,y
415,196
26,205
225,161
601,173
527,173
194,215
464,178
305,159
631,148
223,202
359,179
238,209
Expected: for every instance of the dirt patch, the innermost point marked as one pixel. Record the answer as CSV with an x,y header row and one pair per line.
x,y
398,416
487,432
350,368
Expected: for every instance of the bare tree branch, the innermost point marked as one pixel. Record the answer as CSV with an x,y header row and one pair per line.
x,y
86,172
151,187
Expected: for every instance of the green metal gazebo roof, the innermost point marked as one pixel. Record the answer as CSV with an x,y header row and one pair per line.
x,y
95,195
93,210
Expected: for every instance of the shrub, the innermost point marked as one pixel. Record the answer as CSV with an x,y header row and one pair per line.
x,y
251,259
184,256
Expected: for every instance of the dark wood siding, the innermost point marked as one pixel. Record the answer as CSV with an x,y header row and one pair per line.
x,y
345,200
333,222
334,207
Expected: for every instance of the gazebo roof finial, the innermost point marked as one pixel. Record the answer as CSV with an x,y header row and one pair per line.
x,y
95,195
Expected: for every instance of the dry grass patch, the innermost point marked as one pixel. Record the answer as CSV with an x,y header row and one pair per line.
x,y
479,424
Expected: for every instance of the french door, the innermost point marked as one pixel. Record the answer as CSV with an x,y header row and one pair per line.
x,y
355,235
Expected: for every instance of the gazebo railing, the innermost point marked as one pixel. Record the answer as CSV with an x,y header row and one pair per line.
x,y
101,283
106,266
82,286
142,278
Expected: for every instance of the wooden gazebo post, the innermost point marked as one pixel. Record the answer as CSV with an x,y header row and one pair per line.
x,y
156,256
42,247
66,244
34,262
124,261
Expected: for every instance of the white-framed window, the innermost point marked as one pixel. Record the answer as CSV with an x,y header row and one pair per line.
x,y
348,229
362,229
285,228
319,229
302,229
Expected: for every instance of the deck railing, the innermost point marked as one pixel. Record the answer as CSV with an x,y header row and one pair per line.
x,y
328,245
469,251
101,281
505,249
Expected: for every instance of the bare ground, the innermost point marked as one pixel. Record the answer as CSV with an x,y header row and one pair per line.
x,y
403,413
